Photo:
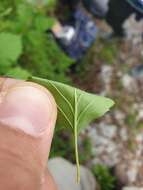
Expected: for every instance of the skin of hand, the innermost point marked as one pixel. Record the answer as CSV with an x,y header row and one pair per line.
x,y
28,115
57,28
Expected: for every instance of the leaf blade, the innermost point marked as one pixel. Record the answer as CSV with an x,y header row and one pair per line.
x,y
66,100
81,106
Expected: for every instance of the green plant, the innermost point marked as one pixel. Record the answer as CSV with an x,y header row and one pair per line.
x,y
63,139
76,108
25,45
10,50
104,177
131,119
108,52
85,150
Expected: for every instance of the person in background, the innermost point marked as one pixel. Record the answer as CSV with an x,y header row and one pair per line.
x,y
78,33
75,35
120,10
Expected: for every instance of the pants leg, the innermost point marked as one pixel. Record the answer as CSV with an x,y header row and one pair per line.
x,y
70,3
98,8
119,11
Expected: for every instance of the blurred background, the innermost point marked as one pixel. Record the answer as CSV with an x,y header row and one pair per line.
x,y
111,149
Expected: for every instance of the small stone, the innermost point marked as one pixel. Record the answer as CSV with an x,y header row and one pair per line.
x,y
132,174
106,76
139,138
120,116
109,131
132,188
129,171
124,134
127,81
140,115
64,174
133,29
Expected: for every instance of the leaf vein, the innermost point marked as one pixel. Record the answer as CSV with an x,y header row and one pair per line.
x,y
69,104
83,112
65,116
79,98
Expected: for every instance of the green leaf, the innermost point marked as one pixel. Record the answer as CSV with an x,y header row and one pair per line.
x,y
74,103
18,73
44,23
76,108
10,47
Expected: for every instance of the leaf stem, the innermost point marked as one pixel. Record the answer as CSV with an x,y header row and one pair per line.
x,y
76,140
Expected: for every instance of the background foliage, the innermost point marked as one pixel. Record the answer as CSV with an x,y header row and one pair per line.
x,y
104,177
25,45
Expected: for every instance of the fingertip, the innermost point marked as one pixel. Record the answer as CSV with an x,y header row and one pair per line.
x,y
27,106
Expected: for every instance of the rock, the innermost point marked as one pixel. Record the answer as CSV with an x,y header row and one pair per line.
x,y
124,134
64,174
132,188
119,116
106,77
129,83
134,29
140,115
130,169
109,131
104,145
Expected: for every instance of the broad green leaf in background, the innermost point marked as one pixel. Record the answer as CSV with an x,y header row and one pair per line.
x,y
5,12
43,23
10,48
76,108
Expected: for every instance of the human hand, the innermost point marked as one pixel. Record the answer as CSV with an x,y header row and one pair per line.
x,y
27,118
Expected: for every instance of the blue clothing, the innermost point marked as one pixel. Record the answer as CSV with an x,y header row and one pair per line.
x,y
85,35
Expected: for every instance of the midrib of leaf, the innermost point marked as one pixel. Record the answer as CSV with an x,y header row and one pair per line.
x,y
76,135
66,100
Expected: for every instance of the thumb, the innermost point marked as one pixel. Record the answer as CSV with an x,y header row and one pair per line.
x,y
27,119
